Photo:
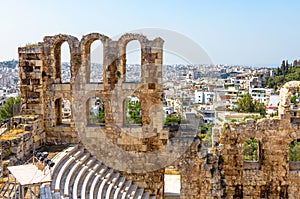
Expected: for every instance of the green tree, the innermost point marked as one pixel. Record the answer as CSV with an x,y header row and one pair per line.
x,y
246,104
251,149
294,99
134,112
101,116
172,119
295,151
206,134
7,110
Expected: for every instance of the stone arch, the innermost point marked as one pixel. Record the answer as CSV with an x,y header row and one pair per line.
x,y
285,98
252,150
93,113
85,48
83,118
295,150
58,107
122,44
133,53
53,51
135,103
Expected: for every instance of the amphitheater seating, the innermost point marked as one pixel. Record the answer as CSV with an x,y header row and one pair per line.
x,y
77,174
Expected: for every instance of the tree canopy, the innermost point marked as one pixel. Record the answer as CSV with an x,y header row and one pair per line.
x,y
247,104
251,149
285,73
172,119
7,110
134,112
295,151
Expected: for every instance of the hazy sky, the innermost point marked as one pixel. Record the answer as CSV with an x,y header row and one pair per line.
x,y
256,32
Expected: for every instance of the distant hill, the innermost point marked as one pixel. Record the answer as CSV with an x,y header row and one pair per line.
x,y
285,73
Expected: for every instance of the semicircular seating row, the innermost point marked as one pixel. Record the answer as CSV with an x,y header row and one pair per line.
x,y
77,174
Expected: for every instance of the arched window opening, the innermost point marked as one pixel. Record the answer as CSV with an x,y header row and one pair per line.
x,y
96,62
63,113
66,111
133,110
251,150
96,111
295,151
295,107
133,62
65,63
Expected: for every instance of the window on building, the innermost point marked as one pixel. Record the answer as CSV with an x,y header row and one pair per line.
x,y
65,63
295,150
133,110
133,62
95,111
63,113
96,62
172,179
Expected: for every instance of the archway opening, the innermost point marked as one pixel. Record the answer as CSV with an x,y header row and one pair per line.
x,y
133,111
95,111
66,111
65,63
96,62
133,62
251,150
63,113
295,107
295,151
172,182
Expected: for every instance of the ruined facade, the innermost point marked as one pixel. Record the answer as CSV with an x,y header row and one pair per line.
x,y
42,92
221,174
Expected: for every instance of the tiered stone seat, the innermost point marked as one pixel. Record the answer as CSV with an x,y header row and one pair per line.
x,y
118,186
72,173
146,195
65,167
139,193
109,186
96,179
131,191
124,189
87,178
78,175
104,180
60,160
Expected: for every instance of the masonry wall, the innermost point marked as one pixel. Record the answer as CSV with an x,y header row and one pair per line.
x,y
222,173
42,90
270,176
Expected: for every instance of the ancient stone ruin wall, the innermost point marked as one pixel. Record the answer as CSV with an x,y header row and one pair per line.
x,y
273,175
42,91
42,87
16,144
222,173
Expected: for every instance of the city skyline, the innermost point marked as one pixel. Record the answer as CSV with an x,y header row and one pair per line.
x,y
249,33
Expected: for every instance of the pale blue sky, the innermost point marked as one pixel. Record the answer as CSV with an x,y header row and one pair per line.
x,y
256,32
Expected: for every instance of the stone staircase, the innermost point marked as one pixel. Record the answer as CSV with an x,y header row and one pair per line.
x,y
78,175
